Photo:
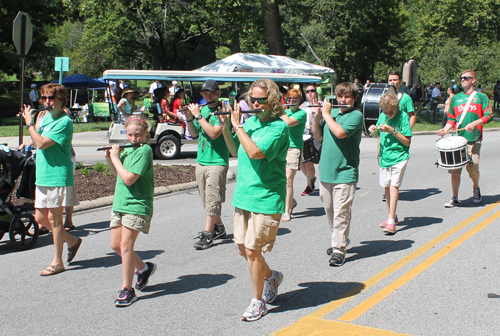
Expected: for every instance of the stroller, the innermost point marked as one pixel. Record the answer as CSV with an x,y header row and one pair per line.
x,y
16,220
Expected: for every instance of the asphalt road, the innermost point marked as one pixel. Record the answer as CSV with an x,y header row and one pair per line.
x,y
438,275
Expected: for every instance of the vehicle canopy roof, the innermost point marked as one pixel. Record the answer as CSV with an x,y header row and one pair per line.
x,y
201,76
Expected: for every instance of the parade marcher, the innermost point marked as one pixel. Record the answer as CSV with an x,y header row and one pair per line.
x,y
341,132
34,97
405,101
54,174
307,167
261,146
469,109
435,100
395,138
132,206
296,119
211,163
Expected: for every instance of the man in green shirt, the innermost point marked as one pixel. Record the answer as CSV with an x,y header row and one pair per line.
x,y
338,167
405,101
478,113
211,163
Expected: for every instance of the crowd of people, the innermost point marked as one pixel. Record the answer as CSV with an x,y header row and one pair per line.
x,y
273,132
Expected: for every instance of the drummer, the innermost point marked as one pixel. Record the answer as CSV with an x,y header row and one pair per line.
x,y
405,101
477,114
394,130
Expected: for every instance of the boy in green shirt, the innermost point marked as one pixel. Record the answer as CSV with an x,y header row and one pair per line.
x,y
211,163
338,167
395,138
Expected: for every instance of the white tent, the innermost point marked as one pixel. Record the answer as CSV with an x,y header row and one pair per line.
x,y
265,63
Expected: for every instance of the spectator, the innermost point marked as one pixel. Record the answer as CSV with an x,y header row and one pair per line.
x,y
155,85
34,97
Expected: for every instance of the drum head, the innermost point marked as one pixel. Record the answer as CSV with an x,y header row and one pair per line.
x,y
451,142
370,102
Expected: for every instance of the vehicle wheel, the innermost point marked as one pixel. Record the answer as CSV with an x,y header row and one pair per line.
x,y
168,147
23,231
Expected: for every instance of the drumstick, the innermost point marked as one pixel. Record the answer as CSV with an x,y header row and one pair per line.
x,y
457,130
228,112
382,124
185,109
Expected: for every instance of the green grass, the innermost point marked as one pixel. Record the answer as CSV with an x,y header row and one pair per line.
x,y
11,127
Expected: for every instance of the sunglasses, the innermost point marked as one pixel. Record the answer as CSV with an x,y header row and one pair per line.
x,y
48,97
262,100
307,91
465,78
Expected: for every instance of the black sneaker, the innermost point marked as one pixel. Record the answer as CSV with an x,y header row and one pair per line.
x,y
206,240
337,259
476,198
126,297
329,250
219,231
143,278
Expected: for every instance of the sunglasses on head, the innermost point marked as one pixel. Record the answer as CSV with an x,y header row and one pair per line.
x,y
307,91
262,100
48,97
466,78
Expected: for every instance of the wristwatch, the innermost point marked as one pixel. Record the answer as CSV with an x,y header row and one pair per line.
x,y
29,125
394,131
199,117
190,120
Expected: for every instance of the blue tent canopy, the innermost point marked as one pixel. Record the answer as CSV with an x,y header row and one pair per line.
x,y
81,81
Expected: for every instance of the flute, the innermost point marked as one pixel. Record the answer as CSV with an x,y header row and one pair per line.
x,y
185,109
48,108
122,146
332,106
291,104
228,112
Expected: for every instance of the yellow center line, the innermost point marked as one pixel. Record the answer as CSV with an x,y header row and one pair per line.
x,y
383,293
333,305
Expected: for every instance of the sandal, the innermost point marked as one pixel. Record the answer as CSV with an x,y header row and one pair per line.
x,y
286,217
72,250
52,270
294,204
390,229
69,228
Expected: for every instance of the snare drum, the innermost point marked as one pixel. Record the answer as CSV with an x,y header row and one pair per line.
x,y
310,153
370,102
452,152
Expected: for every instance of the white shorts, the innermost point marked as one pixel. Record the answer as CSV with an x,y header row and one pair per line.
x,y
393,175
55,197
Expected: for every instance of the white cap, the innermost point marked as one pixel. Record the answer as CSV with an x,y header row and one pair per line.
x,y
33,85
453,81
174,82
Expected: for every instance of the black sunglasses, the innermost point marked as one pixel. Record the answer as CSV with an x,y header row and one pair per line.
x,y
261,100
466,78
48,97
307,91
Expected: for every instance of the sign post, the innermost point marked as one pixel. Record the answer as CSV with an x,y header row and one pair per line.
x,y
22,36
62,64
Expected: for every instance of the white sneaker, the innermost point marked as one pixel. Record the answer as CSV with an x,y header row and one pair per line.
x,y
255,311
452,203
271,287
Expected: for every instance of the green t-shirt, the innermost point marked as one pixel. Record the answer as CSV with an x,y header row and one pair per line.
x,y
340,157
479,108
54,167
261,184
297,131
406,103
211,152
391,150
136,199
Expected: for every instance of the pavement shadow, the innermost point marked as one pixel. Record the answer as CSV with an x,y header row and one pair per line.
x,y
228,239
111,259
309,212
186,283
377,247
415,222
485,200
6,246
418,194
314,294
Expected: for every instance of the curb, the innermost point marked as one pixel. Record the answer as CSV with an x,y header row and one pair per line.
x,y
159,191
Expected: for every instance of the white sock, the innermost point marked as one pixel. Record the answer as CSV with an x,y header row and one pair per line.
x,y
391,221
273,275
144,269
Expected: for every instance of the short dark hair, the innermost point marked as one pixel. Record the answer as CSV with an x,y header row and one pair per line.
x,y
347,87
394,72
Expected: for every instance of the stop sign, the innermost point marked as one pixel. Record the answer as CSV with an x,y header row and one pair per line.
x,y
22,33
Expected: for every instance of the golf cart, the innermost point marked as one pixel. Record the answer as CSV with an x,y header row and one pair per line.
x,y
167,139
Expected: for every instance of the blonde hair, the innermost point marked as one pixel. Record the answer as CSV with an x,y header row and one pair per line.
x,y
144,126
389,100
294,93
273,96
471,71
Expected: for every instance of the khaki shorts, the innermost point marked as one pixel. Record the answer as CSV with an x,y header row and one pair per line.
x,y
293,158
211,182
393,175
55,197
473,170
135,222
255,230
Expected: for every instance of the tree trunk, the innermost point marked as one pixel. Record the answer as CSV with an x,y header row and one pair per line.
x,y
272,27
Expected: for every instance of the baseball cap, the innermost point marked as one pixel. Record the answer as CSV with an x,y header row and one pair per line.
x,y
210,85
174,82
453,81
33,85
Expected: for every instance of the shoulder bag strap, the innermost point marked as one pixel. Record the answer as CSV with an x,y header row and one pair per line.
x,y
462,116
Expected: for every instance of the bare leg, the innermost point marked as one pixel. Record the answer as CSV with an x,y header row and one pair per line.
x,y
393,201
455,184
388,199
68,220
129,257
259,270
475,181
210,221
116,243
290,175
309,171
59,235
